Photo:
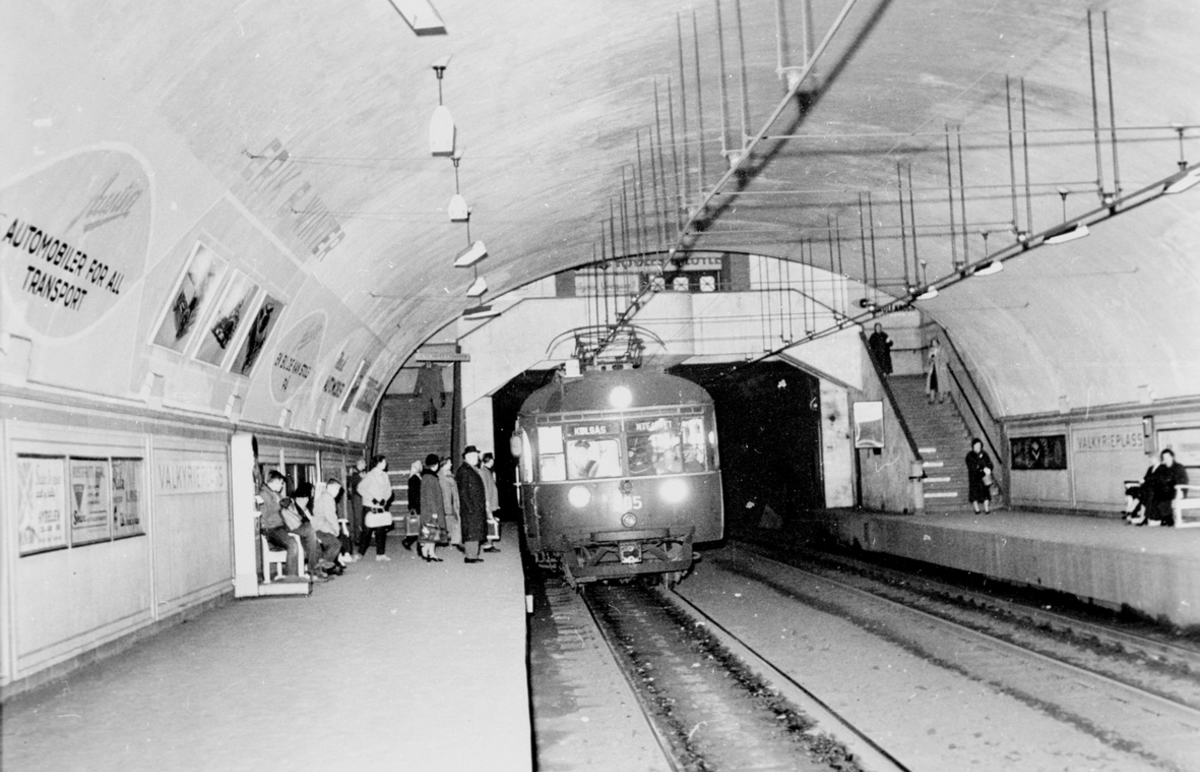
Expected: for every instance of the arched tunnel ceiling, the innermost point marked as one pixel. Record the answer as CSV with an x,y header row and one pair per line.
x,y
549,99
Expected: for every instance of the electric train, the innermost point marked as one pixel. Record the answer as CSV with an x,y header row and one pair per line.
x,y
620,474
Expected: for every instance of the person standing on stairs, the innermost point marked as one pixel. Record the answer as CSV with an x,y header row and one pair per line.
x,y
937,380
881,347
979,477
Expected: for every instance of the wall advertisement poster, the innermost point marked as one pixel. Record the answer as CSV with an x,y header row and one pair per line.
x,y
127,497
868,424
41,503
89,501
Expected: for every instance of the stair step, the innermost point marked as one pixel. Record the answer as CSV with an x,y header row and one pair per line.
x,y
927,450
936,480
942,495
933,464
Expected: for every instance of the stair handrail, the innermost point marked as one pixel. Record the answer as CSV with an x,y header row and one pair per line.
x,y
891,398
978,394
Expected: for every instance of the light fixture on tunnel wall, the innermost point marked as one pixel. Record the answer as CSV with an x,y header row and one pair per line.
x,y
471,255
989,268
441,125
1065,232
477,288
1181,181
928,294
457,208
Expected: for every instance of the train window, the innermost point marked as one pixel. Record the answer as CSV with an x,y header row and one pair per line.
x,y
652,447
693,444
593,458
526,458
552,465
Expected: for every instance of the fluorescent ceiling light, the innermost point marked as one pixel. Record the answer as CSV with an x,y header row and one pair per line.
x,y
471,255
458,209
477,288
1065,233
988,268
441,132
1177,183
421,16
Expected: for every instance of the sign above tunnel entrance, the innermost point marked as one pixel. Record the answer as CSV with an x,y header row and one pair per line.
x,y
73,240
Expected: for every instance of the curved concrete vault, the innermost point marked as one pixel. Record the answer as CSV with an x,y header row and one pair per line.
x,y
291,140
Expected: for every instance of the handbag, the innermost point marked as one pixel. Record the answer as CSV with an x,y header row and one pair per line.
x,y
988,479
435,533
412,524
493,531
377,519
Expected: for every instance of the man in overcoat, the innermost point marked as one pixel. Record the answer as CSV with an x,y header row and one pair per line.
x,y
472,498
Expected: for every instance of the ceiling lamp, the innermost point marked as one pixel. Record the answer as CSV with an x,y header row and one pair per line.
x,y
480,312
988,268
928,294
471,255
1181,181
1065,232
458,209
441,125
477,288
421,16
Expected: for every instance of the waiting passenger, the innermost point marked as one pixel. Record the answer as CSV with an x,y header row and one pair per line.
x,y
493,501
376,492
273,527
433,512
414,504
473,497
327,526
297,519
979,473
937,380
1161,487
881,348
450,503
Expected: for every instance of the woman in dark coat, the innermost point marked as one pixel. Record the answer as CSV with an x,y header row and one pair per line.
x,y
472,501
414,500
881,347
979,466
433,513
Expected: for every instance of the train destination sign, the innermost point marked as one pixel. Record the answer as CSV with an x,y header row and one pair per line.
x,y
73,238
583,431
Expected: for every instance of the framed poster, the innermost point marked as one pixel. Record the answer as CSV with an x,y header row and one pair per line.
x,y
223,326
127,497
89,500
189,300
1049,452
41,503
868,424
264,321
355,384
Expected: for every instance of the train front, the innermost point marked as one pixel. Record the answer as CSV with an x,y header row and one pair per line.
x,y
620,474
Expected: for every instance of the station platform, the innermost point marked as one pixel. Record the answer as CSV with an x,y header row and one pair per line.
x,y
1153,571
394,665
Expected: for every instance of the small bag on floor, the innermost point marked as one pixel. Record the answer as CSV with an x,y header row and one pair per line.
x,y
493,532
412,525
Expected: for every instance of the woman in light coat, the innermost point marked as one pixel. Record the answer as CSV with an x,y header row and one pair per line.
x,y
937,379
450,502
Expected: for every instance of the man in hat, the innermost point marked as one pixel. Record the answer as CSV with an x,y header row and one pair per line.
x,y
472,496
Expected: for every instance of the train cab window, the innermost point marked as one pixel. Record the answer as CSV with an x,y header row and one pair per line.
x,y
653,447
694,454
593,458
551,462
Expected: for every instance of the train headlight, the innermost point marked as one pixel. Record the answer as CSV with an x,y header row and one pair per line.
x,y
579,497
629,520
620,397
673,491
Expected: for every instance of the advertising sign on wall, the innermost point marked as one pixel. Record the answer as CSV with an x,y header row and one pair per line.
x,y
233,309
868,424
127,497
41,503
297,356
264,321
89,501
190,298
73,238
1049,452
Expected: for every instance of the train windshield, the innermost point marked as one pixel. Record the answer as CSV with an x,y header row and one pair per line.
x,y
656,446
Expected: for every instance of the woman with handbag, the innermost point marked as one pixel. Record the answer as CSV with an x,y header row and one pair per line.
x,y
376,491
433,512
979,477
450,502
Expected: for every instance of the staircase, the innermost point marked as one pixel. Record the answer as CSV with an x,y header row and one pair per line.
x,y
942,441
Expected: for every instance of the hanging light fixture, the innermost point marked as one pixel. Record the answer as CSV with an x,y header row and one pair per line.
x,y
441,125
1181,181
457,208
928,294
477,288
471,255
1065,232
989,268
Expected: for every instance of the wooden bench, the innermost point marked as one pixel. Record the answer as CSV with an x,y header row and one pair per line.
x,y
1187,510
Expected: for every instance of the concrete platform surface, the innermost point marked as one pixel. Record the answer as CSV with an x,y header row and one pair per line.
x,y
1153,570
400,665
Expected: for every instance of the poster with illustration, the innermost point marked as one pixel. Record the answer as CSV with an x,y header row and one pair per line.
x,y
41,503
127,497
1047,452
256,337
868,424
221,328
88,499
190,298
